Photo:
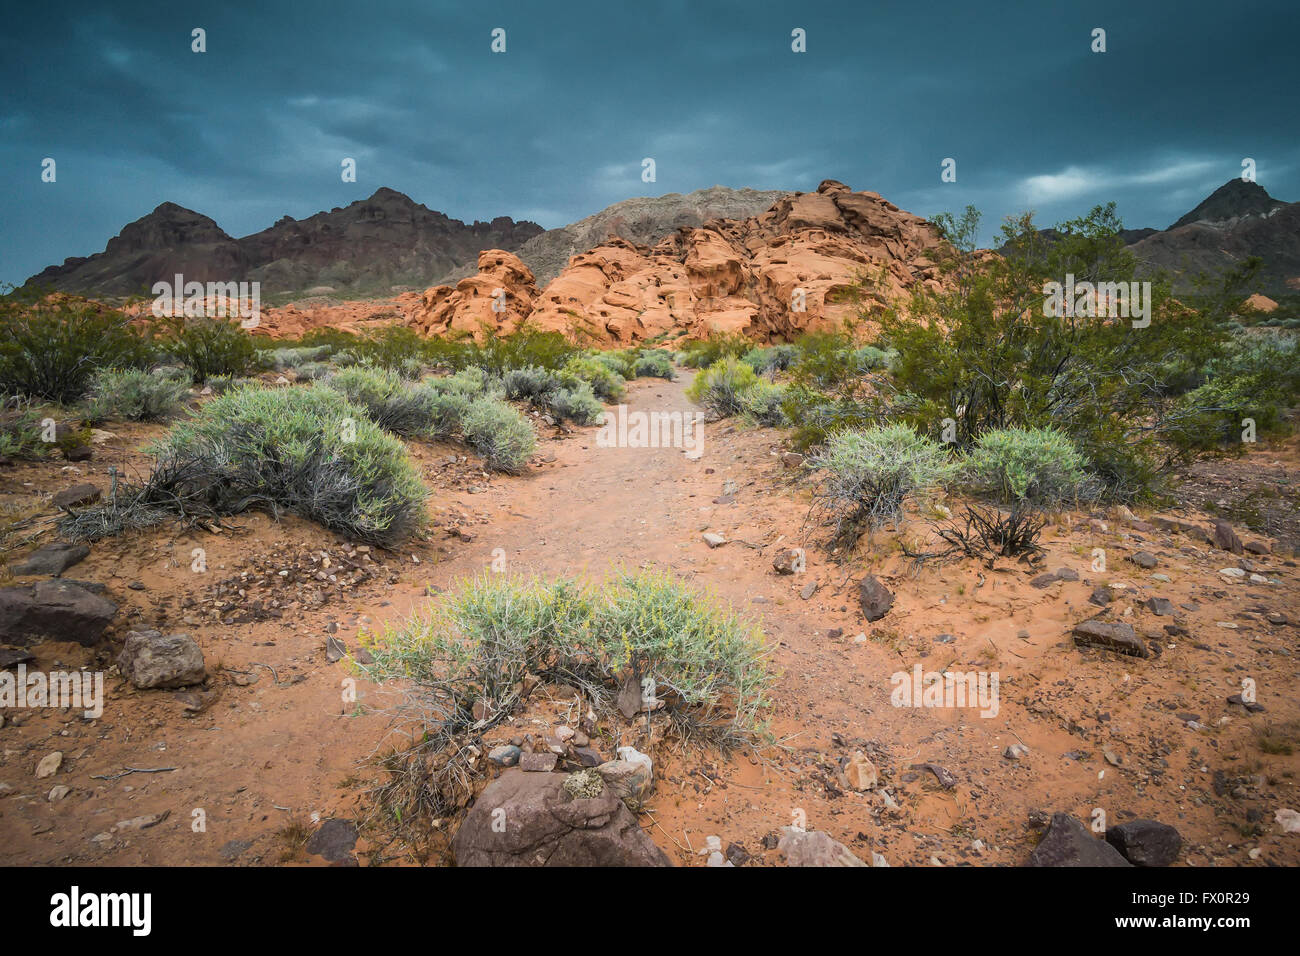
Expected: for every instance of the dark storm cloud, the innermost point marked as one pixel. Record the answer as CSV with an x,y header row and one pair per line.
x,y
556,128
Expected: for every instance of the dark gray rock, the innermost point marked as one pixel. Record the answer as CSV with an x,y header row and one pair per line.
x,y
874,598
1116,636
53,610
1224,537
1068,842
53,559
1146,842
334,840
76,496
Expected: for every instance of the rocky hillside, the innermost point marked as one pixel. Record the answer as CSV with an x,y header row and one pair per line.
x,y
1237,220
642,221
729,275
381,245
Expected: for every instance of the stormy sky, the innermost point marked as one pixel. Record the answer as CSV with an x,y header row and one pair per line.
x,y
556,127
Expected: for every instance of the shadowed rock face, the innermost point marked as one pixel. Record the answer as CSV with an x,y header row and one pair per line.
x,y
378,245
786,270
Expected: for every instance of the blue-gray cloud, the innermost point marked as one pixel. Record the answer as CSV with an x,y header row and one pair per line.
x,y
556,128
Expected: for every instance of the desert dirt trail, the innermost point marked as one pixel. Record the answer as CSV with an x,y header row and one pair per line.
x,y
279,750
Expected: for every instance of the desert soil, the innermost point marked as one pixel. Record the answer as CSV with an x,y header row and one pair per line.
x,y
270,747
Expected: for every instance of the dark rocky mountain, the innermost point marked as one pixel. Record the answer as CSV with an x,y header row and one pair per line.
x,y
1235,199
1237,220
377,246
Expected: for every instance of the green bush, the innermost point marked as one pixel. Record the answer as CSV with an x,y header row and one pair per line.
x,y
391,402
530,382
313,371
471,381
870,472
654,363
1036,468
606,383
719,388
392,347
21,431
763,403
51,348
294,357
209,347
772,358
134,395
305,451
621,363
499,433
701,353
576,403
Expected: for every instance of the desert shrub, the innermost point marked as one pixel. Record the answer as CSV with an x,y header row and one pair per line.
x,y
772,358
621,363
51,348
576,403
446,411
304,451
470,657
653,626
313,371
1027,467
530,382
654,363
499,433
606,383
1256,377
701,353
868,474
391,402
763,403
719,387
520,348
296,356
393,347
471,381
220,384
989,350
21,430
134,395
209,346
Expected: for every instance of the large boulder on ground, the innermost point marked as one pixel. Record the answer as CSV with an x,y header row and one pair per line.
x,y
52,559
53,610
1146,842
529,819
150,659
1068,842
